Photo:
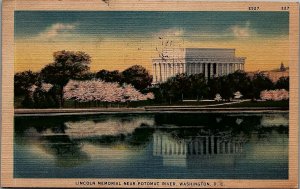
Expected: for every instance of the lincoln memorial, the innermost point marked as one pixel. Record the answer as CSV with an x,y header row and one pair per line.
x,y
212,62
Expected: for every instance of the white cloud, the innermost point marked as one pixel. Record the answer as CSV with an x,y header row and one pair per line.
x,y
242,31
57,30
172,32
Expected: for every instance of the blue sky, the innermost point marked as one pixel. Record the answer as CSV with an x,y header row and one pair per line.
x,y
143,24
119,39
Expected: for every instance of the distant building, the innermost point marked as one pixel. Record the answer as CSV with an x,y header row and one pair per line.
x,y
275,74
211,62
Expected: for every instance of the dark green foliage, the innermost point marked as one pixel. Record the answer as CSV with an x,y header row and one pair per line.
x,y
86,76
261,82
109,76
240,81
214,87
24,80
28,101
137,76
67,65
42,99
197,87
283,83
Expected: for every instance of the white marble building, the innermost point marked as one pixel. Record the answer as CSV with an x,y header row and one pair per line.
x,y
212,62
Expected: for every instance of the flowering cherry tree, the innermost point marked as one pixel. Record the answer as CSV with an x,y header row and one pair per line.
x,y
275,95
97,90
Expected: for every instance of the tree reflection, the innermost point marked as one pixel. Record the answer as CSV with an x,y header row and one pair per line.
x,y
66,152
63,137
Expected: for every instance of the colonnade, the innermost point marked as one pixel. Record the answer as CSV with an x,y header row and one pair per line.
x,y
164,70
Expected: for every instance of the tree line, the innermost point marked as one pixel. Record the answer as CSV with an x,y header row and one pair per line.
x,y
196,86
69,65
66,66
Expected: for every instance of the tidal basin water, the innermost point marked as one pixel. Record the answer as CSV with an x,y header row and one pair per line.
x,y
162,145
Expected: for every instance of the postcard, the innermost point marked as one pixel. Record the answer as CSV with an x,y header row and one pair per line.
x,y
149,94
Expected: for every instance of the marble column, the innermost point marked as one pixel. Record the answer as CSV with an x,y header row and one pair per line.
x,y
200,67
222,69
166,71
217,69
162,72
173,69
153,71
159,72
227,69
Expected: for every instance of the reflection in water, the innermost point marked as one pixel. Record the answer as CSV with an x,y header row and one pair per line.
x,y
176,152
152,146
275,120
110,127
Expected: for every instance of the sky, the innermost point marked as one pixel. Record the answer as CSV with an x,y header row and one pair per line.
x,y
117,40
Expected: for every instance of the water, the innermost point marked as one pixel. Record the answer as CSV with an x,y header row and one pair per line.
x,y
163,145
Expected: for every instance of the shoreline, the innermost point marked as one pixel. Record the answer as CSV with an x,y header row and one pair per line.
x,y
145,110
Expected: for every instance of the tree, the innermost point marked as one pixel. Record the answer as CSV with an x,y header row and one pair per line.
x,y
100,91
109,76
24,80
226,88
169,91
283,83
214,86
67,65
182,84
261,82
198,85
275,95
138,76
240,81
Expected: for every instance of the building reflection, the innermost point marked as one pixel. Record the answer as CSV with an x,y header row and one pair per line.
x,y
178,152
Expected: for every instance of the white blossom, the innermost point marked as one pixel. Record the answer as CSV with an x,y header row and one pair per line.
x,y
275,95
97,90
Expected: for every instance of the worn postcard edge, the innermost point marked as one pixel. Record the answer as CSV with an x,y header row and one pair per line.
x,y
8,8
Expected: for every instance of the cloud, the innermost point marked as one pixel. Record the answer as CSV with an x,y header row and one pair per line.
x,y
57,30
242,31
172,32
